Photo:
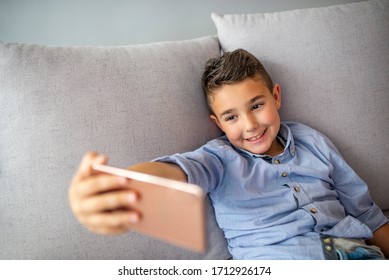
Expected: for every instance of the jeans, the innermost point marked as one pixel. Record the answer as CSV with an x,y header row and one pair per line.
x,y
348,249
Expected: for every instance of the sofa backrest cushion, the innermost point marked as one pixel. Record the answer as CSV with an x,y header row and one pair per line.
x,y
132,103
332,64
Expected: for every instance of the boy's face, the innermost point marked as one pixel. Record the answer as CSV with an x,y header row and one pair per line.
x,y
247,112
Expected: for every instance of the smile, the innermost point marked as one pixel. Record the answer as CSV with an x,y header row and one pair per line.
x,y
254,138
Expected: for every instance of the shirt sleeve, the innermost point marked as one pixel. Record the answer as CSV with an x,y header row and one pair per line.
x,y
352,190
204,166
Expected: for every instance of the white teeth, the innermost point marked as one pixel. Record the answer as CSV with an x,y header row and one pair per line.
x,y
256,137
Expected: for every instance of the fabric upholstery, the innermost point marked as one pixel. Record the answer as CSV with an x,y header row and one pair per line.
x,y
132,103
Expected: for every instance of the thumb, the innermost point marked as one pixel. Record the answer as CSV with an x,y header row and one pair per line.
x,y
85,169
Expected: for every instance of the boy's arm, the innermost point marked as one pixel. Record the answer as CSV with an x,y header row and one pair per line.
x,y
381,239
354,196
161,169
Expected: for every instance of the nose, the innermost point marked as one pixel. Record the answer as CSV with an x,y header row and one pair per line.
x,y
251,123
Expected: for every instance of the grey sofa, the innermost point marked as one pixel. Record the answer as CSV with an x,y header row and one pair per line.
x,y
135,103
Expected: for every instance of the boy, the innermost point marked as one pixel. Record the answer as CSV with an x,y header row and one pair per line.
x,y
280,190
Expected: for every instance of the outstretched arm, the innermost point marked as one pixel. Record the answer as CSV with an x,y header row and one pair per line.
x,y
161,169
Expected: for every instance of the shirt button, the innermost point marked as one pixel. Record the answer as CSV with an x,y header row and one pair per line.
x,y
328,248
296,189
327,240
313,210
284,174
276,161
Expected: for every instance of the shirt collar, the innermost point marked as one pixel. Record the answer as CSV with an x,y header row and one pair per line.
x,y
285,137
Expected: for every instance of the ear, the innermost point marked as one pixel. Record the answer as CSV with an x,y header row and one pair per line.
x,y
216,121
277,95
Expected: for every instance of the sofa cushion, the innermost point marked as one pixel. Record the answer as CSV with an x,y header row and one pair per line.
x,y
133,103
332,64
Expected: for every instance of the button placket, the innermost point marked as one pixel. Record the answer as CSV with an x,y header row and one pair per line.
x,y
328,248
295,188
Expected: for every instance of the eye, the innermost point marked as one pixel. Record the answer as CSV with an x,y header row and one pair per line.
x,y
256,106
230,118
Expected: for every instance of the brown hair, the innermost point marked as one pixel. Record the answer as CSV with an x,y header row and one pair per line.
x,y
230,68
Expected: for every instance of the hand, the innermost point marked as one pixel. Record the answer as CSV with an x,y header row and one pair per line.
x,y
103,203
381,239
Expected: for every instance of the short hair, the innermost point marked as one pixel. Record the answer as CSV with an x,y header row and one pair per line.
x,y
230,68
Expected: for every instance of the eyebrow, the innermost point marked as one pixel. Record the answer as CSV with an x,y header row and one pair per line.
x,y
251,101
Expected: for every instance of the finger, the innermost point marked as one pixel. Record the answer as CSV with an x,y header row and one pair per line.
x,y
99,184
108,230
108,202
113,220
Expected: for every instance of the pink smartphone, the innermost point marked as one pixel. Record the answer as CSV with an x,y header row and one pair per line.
x,y
171,210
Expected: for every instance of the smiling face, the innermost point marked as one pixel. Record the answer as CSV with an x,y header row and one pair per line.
x,y
247,112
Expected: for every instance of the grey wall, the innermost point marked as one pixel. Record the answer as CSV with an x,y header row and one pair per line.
x,y
119,22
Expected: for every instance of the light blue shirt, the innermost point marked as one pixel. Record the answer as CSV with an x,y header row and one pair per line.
x,y
281,207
